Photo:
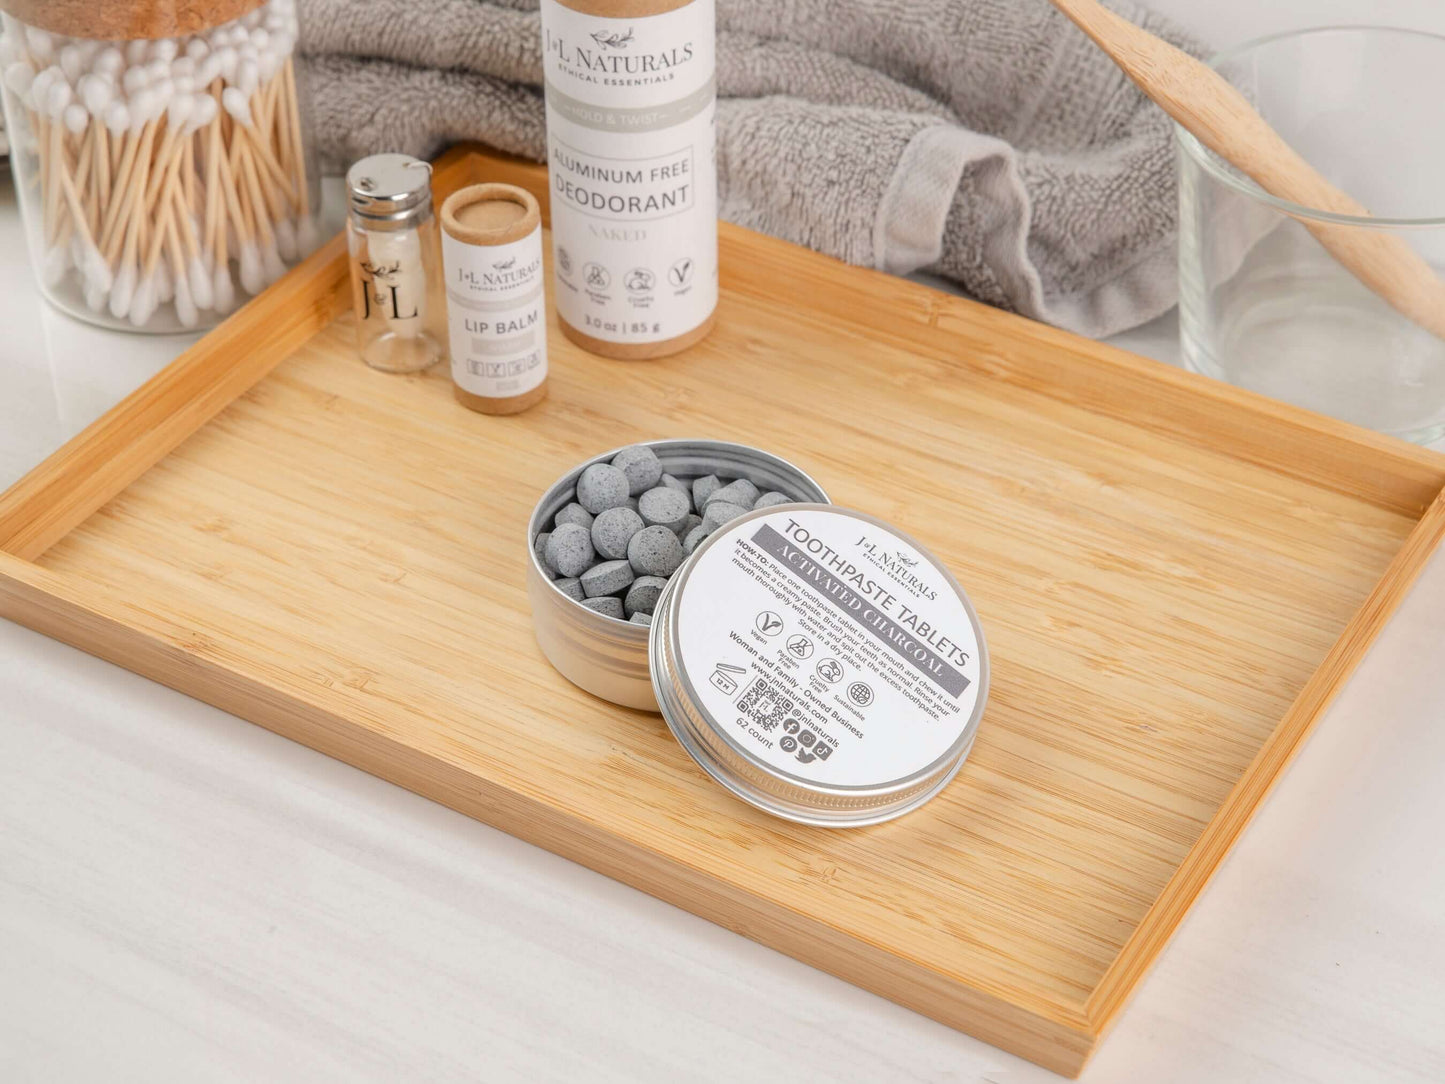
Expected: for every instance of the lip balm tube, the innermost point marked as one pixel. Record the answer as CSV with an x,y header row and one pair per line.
x,y
496,305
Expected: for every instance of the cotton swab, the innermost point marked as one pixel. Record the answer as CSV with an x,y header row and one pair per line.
x,y
165,282
253,275
143,305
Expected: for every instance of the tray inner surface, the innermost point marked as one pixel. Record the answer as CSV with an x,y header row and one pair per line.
x,y
356,541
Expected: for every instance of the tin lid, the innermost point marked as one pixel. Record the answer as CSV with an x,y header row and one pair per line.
x,y
389,187
820,664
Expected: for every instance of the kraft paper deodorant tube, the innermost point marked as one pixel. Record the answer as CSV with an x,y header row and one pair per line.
x,y
631,145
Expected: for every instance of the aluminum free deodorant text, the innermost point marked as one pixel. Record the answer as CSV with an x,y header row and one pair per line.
x,y
631,146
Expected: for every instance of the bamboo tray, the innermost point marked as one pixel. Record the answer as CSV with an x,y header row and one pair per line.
x,y
1174,576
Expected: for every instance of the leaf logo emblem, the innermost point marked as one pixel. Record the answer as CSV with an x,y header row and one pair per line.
x,y
611,39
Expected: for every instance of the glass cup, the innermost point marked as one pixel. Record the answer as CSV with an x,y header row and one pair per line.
x,y
1262,304
162,154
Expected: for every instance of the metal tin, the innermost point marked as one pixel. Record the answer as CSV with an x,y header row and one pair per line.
x,y
865,740
607,657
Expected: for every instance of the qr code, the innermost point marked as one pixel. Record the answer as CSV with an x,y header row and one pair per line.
x,y
766,705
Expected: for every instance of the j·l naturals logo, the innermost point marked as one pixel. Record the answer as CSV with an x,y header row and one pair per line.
x,y
898,566
381,272
384,293
611,39
609,51
504,273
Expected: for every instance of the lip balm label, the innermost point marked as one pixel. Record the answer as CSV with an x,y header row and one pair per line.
x,y
497,315
829,647
632,163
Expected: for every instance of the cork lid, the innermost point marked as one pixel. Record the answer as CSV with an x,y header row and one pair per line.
x,y
624,9
491,214
127,20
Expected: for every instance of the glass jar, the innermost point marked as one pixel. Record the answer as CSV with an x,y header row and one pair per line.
x,y
162,154
1264,302
396,264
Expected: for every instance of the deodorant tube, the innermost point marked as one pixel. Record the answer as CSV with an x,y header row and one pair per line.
x,y
632,161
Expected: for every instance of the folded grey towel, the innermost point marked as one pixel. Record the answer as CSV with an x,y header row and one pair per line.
x,y
986,141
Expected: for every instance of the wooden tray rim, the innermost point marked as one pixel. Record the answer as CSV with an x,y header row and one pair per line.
x,y
105,458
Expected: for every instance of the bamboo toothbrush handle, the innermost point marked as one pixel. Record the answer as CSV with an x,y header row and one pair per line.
x,y
1219,116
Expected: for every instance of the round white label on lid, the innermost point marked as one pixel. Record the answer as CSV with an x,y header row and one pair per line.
x,y
829,648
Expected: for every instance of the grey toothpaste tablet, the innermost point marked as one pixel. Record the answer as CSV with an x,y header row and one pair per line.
x,y
682,485
693,540
741,493
573,513
718,513
663,507
602,486
539,547
642,596
772,500
693,520
608,578
702,489
571,586
569,550
655,551
613,529
640,618
607,605
640,465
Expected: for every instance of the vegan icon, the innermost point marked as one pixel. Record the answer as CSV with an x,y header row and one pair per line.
x,y
680,273
769,623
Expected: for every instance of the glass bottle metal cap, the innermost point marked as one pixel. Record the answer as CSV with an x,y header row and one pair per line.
x,y
389,187
820,664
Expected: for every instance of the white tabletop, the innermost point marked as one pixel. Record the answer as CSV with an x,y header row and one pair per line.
x,y
184,896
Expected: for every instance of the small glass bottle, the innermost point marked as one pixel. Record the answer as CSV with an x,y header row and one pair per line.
x,y
396,265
